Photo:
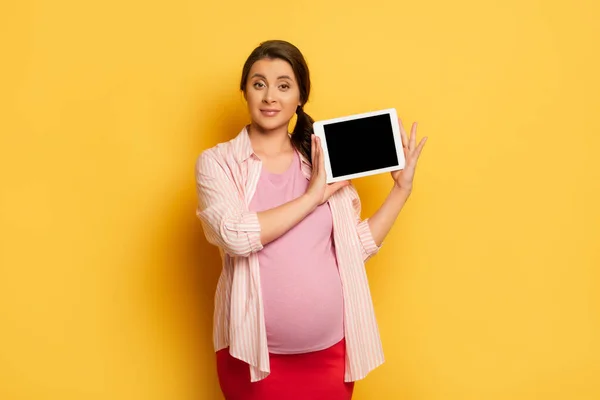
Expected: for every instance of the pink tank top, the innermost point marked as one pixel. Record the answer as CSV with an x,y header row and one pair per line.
x,y
301,286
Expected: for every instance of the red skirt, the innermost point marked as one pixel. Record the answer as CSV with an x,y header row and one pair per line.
x,y
316,375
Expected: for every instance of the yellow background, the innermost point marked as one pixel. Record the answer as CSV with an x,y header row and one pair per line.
x,y
488,285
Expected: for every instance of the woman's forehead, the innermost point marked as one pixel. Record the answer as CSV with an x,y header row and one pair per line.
x,y
272,69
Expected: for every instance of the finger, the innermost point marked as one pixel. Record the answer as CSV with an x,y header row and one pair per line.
x,y
340,184
420,147
321,157
413,136
318,156
316,162
334,187
320,153
312,149
403,134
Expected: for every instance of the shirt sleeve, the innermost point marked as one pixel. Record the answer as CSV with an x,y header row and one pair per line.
x,y
225,219
368,246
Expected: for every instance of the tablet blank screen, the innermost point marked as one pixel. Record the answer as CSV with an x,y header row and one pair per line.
x,y
360,145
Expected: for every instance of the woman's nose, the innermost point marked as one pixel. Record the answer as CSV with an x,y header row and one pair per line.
x,y
268,97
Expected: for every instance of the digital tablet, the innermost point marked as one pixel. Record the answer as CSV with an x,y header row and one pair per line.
x,y
360,145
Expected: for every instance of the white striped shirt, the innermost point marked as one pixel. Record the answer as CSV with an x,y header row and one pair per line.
x,y
226,179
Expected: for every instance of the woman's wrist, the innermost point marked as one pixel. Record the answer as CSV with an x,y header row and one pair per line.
x,y
311,200
401,190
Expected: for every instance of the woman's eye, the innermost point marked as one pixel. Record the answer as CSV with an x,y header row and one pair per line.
x,y
258,85
285,86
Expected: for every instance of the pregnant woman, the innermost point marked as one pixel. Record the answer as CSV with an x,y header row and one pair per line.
x,y
293,312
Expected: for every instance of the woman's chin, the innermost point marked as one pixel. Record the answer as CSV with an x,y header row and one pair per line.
x,y
270,124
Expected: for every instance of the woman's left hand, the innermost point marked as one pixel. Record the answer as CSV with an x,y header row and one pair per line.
x,y
403,179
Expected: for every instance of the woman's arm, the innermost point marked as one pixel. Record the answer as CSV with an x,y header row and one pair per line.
x,y
382,221
239,232
225,222
277,221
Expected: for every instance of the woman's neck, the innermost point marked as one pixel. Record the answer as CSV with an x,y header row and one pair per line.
x,y
269,142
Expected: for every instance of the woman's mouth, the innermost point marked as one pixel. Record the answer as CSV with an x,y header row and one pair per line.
x,y
269,113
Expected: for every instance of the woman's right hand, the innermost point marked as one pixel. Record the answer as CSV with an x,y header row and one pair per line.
x,y
318,190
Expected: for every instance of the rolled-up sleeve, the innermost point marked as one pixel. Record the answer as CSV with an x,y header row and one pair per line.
x,y
225,219
368,246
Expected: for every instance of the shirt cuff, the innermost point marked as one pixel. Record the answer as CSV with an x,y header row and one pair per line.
x,y
252,227
366,238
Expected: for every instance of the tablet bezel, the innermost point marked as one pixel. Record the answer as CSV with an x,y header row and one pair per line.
x,y
319,130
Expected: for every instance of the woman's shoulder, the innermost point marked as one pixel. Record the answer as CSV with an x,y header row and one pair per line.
x,y
227,148
216,156
215,152
223,154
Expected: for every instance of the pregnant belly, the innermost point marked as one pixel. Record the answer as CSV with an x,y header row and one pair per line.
x,y
304,307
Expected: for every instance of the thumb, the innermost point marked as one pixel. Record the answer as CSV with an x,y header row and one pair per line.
x,y
338,185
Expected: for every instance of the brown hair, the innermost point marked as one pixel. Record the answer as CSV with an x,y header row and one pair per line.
x,y
279,49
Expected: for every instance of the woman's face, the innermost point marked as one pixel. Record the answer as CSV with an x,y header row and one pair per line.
x,y
272,93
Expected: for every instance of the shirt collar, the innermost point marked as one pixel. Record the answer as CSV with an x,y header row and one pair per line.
x,y
242,146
